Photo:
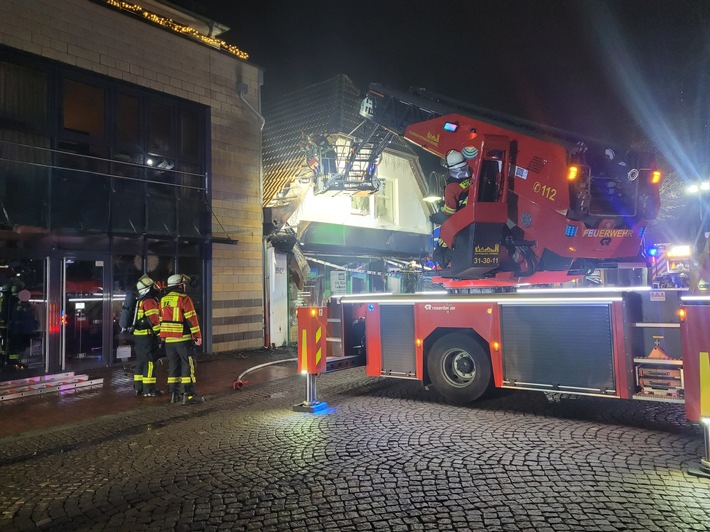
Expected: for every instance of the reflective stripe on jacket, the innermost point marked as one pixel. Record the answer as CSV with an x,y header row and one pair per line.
x,y
147,317
178,319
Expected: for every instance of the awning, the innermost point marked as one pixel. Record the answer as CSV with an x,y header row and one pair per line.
x,y
344,240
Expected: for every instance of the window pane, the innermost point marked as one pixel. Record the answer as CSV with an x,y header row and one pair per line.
x,y
23,97
24,178
161,168
161,215
160,261
384,202
84,108
190,175
128,123
128,164
190,135
159,128
192,213
71,189
128,207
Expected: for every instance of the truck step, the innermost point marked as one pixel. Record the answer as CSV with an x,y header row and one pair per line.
x,y
664,396
344,362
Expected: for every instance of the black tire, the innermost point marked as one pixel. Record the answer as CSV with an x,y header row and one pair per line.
x,y
459,368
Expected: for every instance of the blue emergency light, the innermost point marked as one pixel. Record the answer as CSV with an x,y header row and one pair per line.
x,y
370,307
451,126
652,252
571,230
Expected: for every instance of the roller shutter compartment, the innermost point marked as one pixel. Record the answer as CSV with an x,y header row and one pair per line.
x,y
564,347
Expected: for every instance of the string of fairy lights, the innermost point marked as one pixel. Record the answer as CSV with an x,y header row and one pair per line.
x,y
177,27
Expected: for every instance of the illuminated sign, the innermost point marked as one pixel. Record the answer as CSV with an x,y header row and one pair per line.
x,y
608,233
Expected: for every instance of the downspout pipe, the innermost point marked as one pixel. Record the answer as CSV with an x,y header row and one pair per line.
x,y
242,90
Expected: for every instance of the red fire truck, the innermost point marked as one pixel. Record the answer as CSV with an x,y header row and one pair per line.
x,y
542,209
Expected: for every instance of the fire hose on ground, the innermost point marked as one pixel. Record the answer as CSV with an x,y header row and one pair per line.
x,y
240,382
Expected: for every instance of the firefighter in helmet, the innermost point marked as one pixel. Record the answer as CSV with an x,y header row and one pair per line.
x,y
455,198
178,328
146,331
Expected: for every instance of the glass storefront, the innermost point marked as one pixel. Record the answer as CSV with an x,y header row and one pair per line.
x,y
23,311
102,181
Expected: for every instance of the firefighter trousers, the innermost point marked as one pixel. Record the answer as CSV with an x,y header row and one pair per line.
x,y
144,369
181,367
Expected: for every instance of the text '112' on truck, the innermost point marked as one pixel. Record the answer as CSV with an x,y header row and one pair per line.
x,y
543,208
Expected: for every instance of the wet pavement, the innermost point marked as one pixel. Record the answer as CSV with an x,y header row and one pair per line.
x,y
215,375
386,455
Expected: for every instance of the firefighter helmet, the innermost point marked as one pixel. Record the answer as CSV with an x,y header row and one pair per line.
x,y
144,285
457,165
178,279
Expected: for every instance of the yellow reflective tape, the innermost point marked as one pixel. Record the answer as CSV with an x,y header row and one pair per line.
x,y
318,355
318,330
704,384
191,361
304,350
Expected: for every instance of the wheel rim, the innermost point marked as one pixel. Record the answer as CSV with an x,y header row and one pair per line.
x,y
458,368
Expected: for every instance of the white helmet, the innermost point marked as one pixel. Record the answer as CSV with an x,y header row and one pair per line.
x,y
178,279
457,165
144,285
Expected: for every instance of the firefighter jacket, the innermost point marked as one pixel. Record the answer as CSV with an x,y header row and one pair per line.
x,y
147,317
178,319
455,198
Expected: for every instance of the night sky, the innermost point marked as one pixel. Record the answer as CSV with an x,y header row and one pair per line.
x,y
607,69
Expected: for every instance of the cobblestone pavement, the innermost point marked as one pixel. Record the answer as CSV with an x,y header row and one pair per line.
x,y
386,455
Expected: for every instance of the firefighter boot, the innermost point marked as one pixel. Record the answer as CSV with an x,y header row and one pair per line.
x,y
192,399
174,397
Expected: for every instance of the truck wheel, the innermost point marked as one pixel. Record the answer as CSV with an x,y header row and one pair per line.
x,y
459,368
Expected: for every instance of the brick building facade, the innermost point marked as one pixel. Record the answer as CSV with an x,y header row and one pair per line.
x,y
130,142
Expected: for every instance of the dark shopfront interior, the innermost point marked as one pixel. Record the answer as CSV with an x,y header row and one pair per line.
x,y
60,312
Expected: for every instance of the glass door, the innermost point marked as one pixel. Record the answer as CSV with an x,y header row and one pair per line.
x,y
82,335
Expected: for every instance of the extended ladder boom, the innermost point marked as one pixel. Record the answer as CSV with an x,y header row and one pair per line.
x,y
395,110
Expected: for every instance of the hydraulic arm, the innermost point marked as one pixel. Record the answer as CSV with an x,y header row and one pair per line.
x,y
544,205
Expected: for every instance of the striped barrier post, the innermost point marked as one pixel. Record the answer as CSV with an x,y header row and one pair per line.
x,y
312,323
